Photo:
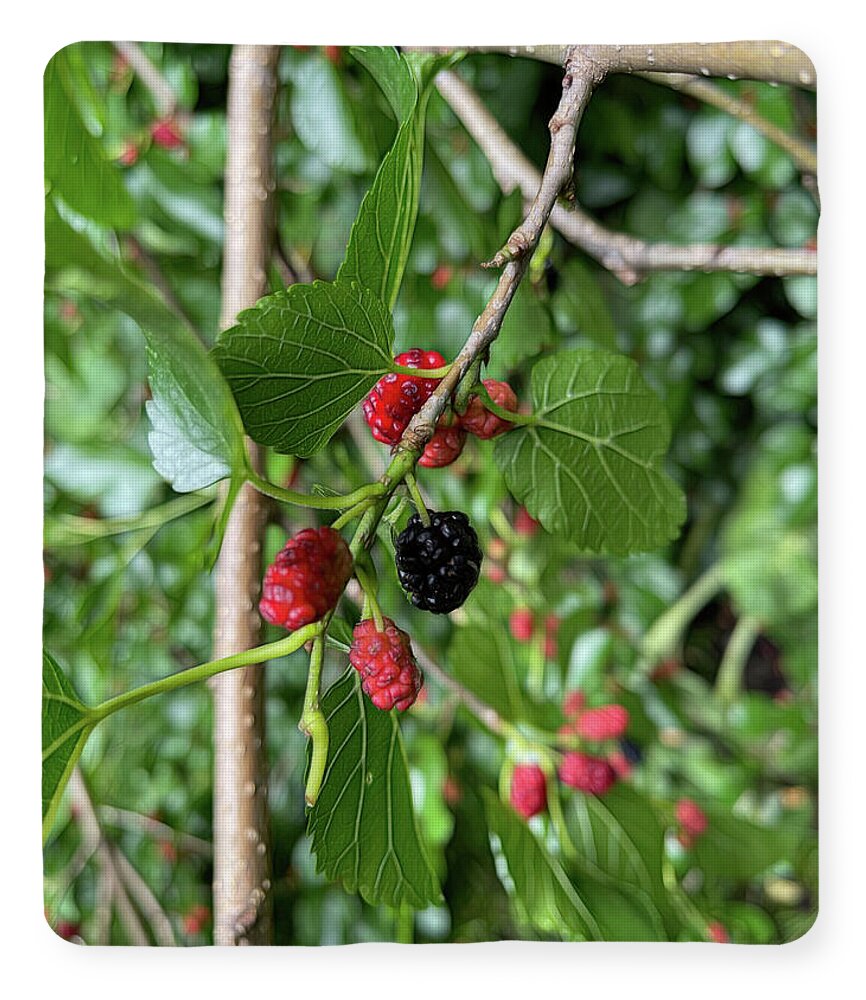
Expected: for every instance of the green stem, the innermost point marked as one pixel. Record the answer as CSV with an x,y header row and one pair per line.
x,y
370,601
404,925
664,637
314,724
422,372
353,512
524,419
308,500
203,672
467,385
729,680
554,807
417,499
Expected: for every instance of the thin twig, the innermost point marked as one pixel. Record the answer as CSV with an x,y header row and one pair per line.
x,y
802,153
160,89
126,819
146,900
773,61
581,77
625,256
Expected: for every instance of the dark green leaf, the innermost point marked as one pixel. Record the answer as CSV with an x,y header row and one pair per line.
x,y
590,468
66,725
580,307
735,848
75,164
302,359
526,331
363,826
391,71
550,901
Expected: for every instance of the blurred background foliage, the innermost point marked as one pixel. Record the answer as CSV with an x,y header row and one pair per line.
x,y
733,357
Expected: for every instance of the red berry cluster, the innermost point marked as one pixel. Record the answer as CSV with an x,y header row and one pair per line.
x,y
391,677
306,579
396,398
607,722
521,624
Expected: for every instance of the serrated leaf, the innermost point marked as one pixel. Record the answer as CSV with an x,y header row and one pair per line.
x,y
66,725
550,901
590,467
391,71
363,826
75,164
302,359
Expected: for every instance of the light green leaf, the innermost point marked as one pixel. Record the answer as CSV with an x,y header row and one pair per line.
x,y
580,307
526,330
589,468
363,826
323,118
391,71
66,725
75,164
302,359
197,436
550,901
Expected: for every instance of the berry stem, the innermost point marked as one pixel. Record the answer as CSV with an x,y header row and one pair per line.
x,y
313,722
417,499
554,807
370,600
524,419
729,679
663,638
339,502
353,512
204,671
421,372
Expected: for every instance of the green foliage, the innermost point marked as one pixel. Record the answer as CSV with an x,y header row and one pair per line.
x,y
302,359
589,466
66,725
363,826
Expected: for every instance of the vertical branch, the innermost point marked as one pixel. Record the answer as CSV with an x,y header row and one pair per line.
x,y
242,911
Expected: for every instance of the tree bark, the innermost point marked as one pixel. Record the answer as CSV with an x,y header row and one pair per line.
x,y
242,877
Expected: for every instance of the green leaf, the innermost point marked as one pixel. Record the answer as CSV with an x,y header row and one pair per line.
x,y
197,435
483,658
526,330
391,71
66,725
734,848
75,164
382,234
620,836
551,903
302,359
363,826
589,468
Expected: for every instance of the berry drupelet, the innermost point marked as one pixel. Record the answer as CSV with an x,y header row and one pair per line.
x,y
390,677
438,563
306,579
396,398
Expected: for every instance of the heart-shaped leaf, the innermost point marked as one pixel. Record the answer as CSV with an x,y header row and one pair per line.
x,y
589,467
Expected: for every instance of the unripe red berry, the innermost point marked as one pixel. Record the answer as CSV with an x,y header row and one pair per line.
x,y
551,648
441,276
718,932
691,817
390,676
332,53
528,793
573,704
129,155
524,524
444,447
481,422
551,624
620,763
521,624
166,133
196,919
67,929
593,775
606,723
306,579
396,398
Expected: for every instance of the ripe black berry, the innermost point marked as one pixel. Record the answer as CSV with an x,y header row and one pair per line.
x,y
438,564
